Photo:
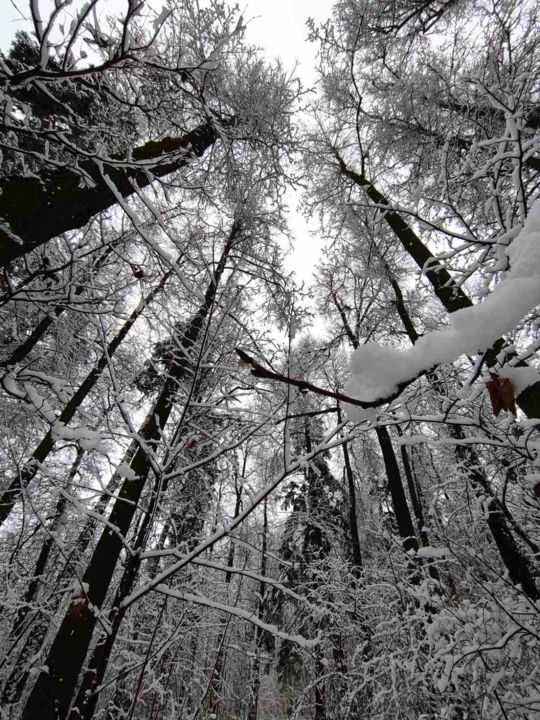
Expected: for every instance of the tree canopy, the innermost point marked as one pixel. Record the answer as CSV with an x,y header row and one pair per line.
x,y
227,494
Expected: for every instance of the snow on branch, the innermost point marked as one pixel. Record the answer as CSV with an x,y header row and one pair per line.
x,y
265,579
242,614
379,372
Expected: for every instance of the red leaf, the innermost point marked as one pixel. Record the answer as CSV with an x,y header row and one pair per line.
x,y
501,394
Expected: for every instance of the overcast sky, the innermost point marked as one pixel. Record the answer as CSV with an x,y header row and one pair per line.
x,y
279,27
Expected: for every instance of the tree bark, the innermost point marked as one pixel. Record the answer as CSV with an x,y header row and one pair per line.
x,y
19,676
26,347
520,569
320,689
395,484
414,494
216,677
43,557
256,670
17,680
85,703
87,697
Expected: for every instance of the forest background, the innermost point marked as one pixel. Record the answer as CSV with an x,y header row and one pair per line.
x,y
233,491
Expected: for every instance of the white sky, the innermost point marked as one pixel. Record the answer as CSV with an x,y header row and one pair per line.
x,y
279,28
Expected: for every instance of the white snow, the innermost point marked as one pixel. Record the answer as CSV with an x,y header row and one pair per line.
x,y
125,471
240,613
522,377
88,439
433,552
532,479
79,589
377,371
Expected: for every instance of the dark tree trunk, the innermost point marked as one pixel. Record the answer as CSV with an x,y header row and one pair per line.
x,y
256,670
320,690
416,502
216,677
520,568
457,141
17,680
26,347
85,703
87,697
354,536
35,639
395,484
35,210
397,493
12,493
414,493
450,295
54,690
87,532
46,548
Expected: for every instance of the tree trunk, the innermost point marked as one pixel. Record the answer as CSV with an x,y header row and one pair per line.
x,y
451,296
216,676
87,698
256,670
55,688
457,141
26,347
35,210
10,496
46,548
320,690
353,520
85,703
17,679
395,484
414,493
520,569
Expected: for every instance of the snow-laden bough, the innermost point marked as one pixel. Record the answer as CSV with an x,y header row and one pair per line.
x,y
378,371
